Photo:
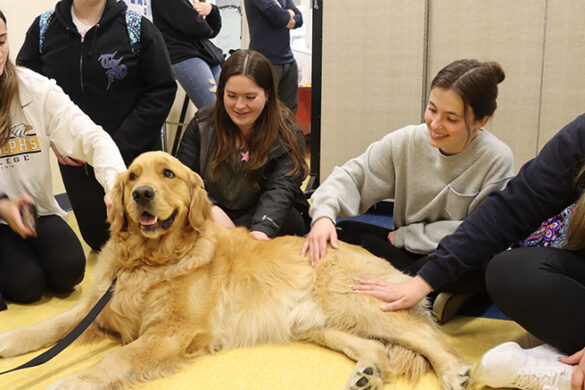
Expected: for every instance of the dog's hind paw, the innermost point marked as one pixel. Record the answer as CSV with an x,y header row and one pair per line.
x,y
456,380
367,377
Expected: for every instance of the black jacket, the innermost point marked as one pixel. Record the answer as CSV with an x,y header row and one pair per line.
x,y
186,33
543,187
277,191
130,96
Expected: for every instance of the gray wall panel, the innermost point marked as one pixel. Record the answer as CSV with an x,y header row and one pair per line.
x,y
509,32
563,96
372,66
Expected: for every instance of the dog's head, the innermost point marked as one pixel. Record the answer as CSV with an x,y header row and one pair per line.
x,y
157,195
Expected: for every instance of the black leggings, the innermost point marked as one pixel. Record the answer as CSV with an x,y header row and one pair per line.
x,y
543,290
374,238
52,260
87,201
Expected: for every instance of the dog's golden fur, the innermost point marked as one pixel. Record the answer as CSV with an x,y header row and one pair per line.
x,y
187,287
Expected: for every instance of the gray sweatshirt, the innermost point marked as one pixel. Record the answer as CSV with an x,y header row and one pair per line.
x,y
432,192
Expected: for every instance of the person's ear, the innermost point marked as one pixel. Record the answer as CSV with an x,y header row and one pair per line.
x,y
481,123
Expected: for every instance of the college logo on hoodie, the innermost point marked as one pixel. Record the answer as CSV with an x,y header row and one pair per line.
x,y
23,141
114,70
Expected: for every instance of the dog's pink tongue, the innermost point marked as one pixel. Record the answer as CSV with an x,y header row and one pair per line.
x,y
147,219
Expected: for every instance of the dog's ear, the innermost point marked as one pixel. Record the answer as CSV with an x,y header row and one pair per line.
x,y
116,216
199,206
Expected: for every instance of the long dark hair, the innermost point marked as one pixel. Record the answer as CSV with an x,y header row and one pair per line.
x,y
8,91
270,127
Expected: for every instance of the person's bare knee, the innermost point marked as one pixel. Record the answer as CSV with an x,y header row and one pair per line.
x,y
213,87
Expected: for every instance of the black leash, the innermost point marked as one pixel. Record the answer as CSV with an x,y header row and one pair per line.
x,y
69,338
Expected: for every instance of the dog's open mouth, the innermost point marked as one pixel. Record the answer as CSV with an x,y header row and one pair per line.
x,y
149,222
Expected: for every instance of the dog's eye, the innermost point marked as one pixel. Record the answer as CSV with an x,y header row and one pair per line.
x,y
132,176
168,173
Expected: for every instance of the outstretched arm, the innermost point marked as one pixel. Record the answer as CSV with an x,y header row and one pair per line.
x,y
396,296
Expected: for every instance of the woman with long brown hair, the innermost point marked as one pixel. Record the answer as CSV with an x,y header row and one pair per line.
x,y
249,150
43,252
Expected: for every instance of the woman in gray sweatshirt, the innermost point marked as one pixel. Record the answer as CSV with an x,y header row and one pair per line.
x,y
437,173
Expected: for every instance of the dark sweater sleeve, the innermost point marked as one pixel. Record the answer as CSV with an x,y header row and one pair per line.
x,y
274,12
214,20
298,15
29,55
543,187
185,19
140,128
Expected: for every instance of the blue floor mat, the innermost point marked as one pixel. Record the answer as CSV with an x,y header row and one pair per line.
x,y
373,219
379,214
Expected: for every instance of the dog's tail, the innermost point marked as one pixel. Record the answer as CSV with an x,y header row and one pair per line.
x,y
403,361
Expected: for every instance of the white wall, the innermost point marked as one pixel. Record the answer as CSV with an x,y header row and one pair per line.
x,y
20,15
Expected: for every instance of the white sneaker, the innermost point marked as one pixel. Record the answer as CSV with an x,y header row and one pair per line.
x,y
546,351
508,365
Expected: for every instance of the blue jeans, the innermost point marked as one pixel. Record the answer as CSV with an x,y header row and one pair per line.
x,y
198,80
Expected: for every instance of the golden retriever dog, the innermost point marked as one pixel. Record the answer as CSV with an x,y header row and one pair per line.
x,y
188,287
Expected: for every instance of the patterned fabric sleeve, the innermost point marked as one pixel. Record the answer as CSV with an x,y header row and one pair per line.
x,y
551,232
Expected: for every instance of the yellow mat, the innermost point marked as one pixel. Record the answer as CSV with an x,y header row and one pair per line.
x,y
292,366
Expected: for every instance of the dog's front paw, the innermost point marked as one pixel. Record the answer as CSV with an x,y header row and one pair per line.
x,y
9,345
367,376
457,380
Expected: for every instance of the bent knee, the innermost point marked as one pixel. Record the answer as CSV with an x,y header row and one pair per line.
x,y
66,278
26,287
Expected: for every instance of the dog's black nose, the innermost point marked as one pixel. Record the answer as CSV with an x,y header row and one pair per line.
x,y
143,194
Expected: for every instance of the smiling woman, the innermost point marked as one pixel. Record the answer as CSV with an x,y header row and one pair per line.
x,y
249,150
437,173
448,123
244,101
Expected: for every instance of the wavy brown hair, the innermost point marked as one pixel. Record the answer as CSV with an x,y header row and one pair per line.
x,y
273,126
8,91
